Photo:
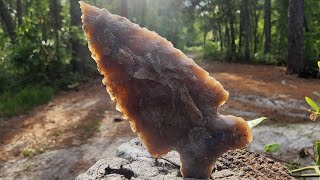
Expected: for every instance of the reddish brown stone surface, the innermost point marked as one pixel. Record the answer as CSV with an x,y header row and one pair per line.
x,y
170,101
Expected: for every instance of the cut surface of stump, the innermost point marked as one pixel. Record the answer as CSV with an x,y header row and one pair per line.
x,y
170,101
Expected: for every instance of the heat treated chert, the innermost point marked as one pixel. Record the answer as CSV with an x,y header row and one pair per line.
x,y
170,101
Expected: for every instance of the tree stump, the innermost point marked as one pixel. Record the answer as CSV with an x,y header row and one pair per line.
x,y
134,162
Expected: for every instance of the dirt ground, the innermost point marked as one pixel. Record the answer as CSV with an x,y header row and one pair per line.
x,y
265,90
66,136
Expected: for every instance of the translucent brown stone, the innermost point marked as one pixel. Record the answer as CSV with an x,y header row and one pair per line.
x,y
170,101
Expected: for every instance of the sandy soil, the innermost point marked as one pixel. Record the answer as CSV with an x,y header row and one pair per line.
x,y
266,90
67,135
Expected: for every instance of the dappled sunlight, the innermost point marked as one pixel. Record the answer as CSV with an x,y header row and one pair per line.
x,y
56,118
264,91
251,85
262,80
68,120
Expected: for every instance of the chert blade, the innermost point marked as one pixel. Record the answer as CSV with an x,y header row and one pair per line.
x,y
170,101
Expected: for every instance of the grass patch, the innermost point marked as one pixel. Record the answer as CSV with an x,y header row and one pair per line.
x,y
92,126
28,152
14,103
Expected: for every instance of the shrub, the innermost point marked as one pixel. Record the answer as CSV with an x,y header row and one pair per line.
x,y
212,50
4,80
14,103
268,59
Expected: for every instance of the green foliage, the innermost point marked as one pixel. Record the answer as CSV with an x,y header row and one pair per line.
x,y
312,34
256,122
279,30
308,168
40,58
317,148
4,80
269,59
315,168
213,51
312,104
13,103
92,127
213,17
28,152
270,148
42,52
315,113
88,128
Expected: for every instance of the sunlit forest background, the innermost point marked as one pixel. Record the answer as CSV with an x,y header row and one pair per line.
x,y
57,120
43,49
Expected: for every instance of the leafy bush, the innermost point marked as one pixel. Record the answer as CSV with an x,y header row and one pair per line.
x,y
269,59
4,80
212,50
12,103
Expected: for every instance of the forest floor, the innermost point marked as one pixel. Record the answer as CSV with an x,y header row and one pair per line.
x,y
65,137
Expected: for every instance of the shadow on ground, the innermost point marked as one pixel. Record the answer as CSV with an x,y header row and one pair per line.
x,y
78,128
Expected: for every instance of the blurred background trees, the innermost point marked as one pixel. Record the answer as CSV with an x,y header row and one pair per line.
x,y
42,42
260,31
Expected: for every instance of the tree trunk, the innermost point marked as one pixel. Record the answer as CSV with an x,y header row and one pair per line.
x,y
19,12
305,24
56,24
124,8
78,50
242,19
143,13
44,29
205,33
256,16
175,35
295,37
7,21
230,17
229,55
220,37
27,5
267,26
246,30
232,34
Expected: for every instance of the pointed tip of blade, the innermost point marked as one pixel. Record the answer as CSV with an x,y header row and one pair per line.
x,y
88,10
84,6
